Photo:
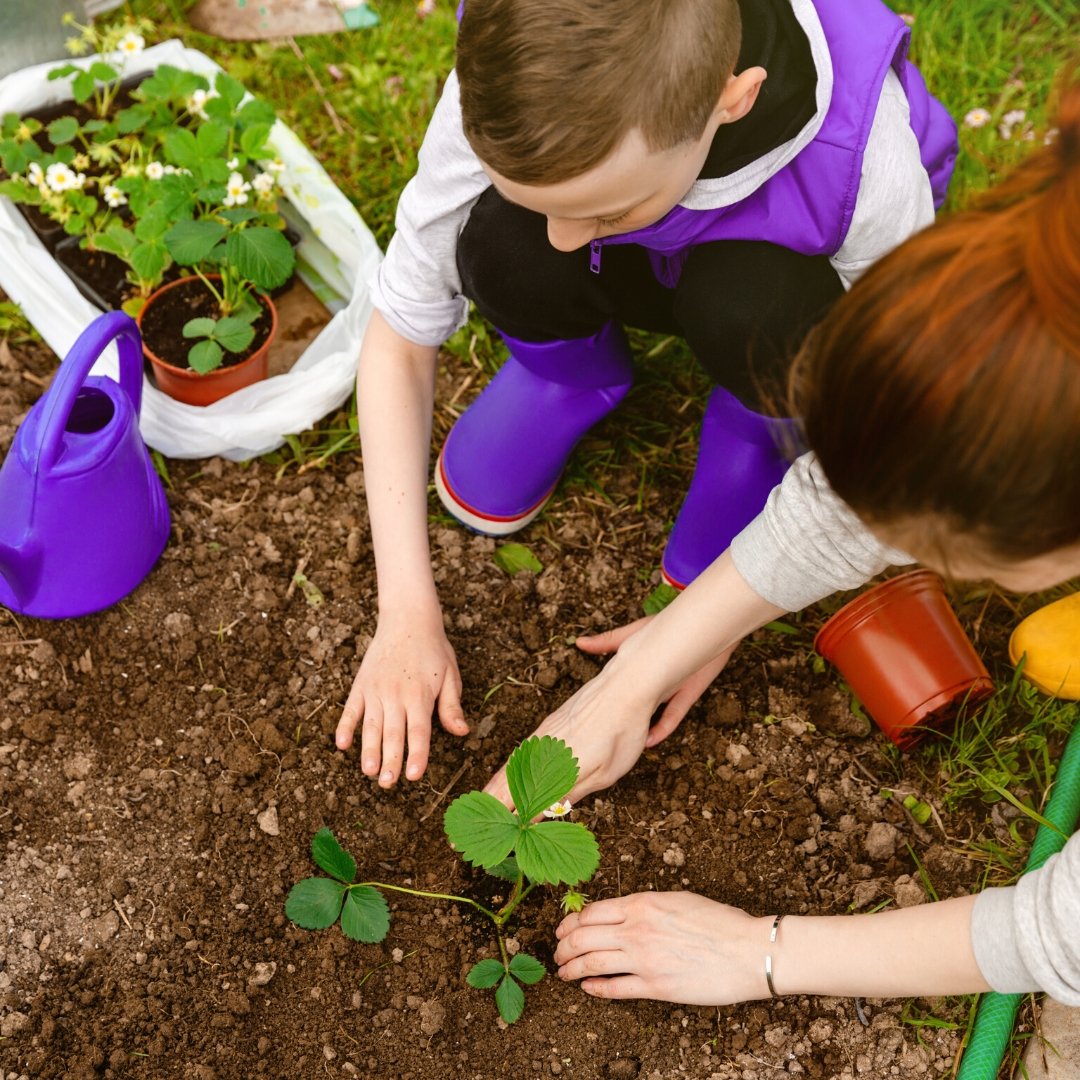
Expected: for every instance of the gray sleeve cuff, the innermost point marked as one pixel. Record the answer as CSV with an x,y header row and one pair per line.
x,y
807,543
1027,937
996,944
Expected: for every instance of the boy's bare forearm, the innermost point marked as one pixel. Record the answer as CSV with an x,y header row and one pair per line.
x,y
395,397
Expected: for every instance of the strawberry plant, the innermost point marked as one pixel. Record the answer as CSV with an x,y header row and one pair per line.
x,y
504,843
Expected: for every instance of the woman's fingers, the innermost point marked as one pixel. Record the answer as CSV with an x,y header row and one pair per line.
x,y
610,640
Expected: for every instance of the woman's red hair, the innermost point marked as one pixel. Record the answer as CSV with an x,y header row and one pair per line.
x,y
944,389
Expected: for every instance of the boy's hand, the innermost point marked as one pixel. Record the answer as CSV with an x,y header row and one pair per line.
x,y
673,946
407,670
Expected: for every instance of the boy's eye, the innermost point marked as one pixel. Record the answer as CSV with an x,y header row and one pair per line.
x,y
608,222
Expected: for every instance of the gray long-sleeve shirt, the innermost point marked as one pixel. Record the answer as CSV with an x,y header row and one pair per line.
x,y
806,544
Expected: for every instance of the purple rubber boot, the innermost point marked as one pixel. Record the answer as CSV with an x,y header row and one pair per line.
x,y
504,456
742,456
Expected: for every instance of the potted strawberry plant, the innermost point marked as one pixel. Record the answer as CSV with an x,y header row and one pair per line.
x,y
209,334
151,179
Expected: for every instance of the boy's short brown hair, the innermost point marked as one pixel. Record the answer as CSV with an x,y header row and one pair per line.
x,y
549,88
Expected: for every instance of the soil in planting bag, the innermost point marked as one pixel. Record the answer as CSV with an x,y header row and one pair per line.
x,y
337,257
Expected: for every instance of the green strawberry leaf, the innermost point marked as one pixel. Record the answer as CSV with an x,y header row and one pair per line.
x,y
507,869
204,328
63,130
315,903
190,242
540,772
485,974
365,916
204,357
481,828
261,255
328,854
512,558
235,335
510,999
527,968
557,851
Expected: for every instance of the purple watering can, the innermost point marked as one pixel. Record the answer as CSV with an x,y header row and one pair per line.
x,y
83,515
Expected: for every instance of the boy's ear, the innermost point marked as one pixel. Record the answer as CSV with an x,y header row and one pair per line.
x,y
739,94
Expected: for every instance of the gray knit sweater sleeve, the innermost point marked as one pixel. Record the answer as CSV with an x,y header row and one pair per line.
x,y
808,543
1027,937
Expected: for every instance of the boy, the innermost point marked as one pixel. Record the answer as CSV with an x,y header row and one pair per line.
x,y
717,169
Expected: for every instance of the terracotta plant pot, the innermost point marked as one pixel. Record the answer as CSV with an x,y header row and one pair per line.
x,y
905,656
189,386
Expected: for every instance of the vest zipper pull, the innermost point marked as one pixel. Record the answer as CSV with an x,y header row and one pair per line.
x,y
594,256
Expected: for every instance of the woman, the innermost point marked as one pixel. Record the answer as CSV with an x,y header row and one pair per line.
x,y
942,402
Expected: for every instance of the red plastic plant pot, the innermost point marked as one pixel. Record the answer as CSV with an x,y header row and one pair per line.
x,y
905,656
188,386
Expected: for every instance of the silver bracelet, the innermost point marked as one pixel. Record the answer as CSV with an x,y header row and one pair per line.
x,y
768,956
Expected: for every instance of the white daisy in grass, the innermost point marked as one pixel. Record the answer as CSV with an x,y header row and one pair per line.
x,y
977,118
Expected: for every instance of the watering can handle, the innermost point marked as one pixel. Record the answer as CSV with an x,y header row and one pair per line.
x,y
72,373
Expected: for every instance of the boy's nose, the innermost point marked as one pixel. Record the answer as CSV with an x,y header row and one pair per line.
x,y
565,234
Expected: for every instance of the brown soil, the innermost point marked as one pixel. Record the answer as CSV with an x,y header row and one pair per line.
x,y
164,764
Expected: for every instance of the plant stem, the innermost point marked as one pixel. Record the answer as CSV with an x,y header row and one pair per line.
x,y
431,896
516,897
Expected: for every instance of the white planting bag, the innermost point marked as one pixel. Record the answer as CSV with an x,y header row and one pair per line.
x,y
336,244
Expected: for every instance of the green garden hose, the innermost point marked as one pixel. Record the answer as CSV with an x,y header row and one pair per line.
x,y
997,1012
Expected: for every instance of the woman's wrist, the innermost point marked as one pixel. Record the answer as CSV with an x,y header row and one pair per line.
x,y
903,953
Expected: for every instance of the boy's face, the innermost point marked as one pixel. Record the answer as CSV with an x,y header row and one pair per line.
x,y
632,187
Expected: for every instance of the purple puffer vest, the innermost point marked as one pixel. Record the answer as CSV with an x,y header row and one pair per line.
x,y
807,206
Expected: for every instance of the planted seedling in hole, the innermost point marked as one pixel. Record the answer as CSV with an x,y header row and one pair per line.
x,y
508,845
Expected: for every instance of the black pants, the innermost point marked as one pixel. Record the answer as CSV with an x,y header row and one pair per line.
x,y
742,306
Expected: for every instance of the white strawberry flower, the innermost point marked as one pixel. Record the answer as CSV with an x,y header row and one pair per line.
x,y
559,809
155,170
80,181
131,44
59,177
275,166
114,196
233,163
264,183
35,174
236,190
197,102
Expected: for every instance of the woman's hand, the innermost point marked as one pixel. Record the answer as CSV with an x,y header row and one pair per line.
x,y
408,670
606,722
685,695
605,725
673,946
